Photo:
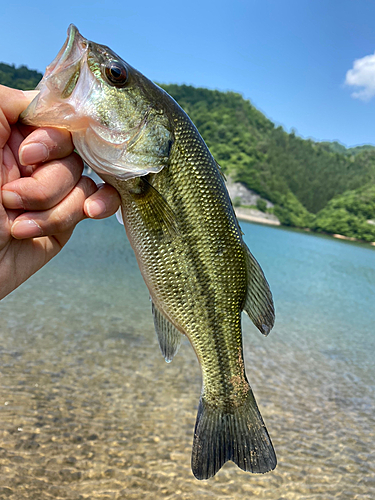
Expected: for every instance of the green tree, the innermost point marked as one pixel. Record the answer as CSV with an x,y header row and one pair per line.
x,y
261,205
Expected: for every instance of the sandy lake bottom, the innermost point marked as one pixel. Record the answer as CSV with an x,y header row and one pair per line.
x,y
90,410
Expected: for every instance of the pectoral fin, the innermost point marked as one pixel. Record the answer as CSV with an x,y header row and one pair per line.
x,y
156,206
258,303
168,335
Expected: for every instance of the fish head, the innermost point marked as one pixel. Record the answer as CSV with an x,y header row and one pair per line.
x,y
113,112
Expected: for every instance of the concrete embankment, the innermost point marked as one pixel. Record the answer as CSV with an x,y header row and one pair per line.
x,y
252,215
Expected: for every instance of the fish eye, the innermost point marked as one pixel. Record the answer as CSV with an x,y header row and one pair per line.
x,y
116,74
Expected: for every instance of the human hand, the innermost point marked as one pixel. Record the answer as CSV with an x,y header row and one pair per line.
x,y
43,193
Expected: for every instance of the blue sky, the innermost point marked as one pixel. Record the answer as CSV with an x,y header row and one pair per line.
x,y
289,57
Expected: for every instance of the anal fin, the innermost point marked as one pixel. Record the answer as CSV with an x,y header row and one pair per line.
x,y
168,335
259,303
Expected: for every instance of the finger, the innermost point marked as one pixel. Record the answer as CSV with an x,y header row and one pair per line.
x,y
58,220
10,170
12,103
11,167
103,203
46,187
45,144
13,144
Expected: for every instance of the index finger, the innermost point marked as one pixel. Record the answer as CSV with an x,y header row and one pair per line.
x,y
44,144
47,186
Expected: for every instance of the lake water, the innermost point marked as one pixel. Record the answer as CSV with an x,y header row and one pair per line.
x,y
90,410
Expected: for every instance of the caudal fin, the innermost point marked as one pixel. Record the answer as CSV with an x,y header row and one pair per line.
x,y
239,435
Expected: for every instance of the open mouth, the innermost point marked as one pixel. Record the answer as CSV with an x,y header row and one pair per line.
x,y
58,82
69,55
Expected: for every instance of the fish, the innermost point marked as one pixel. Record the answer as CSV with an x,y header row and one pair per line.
x,y
182,227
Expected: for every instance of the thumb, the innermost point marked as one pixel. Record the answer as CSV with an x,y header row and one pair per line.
x,y
13,102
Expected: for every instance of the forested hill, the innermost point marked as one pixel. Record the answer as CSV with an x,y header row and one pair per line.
x,y
19,78
320,185
299,176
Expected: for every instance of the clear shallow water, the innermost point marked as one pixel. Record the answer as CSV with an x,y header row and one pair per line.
x,y
90,410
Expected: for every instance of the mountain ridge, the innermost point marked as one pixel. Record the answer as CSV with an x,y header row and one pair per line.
x,y
323,186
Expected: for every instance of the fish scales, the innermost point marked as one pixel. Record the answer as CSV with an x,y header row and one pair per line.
x,y
180,222
192,278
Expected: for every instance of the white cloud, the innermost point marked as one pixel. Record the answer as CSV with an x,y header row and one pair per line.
x,y
362,75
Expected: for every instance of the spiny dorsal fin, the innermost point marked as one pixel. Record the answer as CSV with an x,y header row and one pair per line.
x,y
258,303
220,171
168,335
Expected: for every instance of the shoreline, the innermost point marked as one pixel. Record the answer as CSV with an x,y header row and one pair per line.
x,y
259,219
249,217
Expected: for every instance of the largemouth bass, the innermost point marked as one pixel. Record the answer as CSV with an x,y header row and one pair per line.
x,y
180,222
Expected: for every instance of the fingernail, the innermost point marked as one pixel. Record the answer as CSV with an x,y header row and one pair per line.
x,y
30,94
26,229
35,152
95,208
11,200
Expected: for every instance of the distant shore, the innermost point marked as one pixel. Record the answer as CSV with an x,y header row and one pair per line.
x,y
252,215
348,238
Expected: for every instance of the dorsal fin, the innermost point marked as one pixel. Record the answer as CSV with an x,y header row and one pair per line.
x,y
259,303
220,171
168,335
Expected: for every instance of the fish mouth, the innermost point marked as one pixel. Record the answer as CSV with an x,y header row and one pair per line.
x,y
58,83
70,53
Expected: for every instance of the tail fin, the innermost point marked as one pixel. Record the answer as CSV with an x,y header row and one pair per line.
x,y
238,435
